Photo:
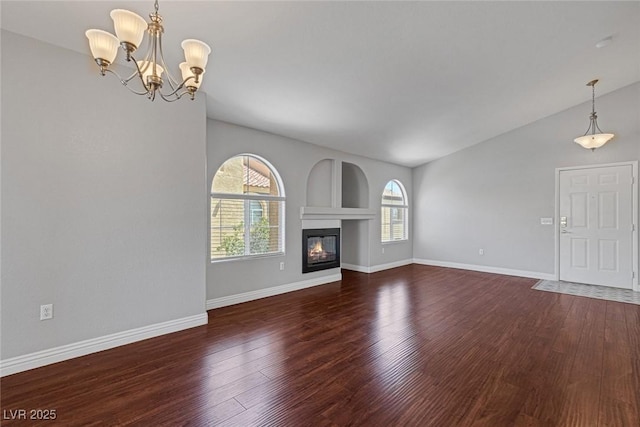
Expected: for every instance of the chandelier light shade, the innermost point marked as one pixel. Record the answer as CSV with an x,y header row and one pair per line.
x,y
593,137
196,53
104,46
147,70
186,73
130,29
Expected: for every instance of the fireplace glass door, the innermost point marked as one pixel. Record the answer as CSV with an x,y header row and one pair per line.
x,y
320,249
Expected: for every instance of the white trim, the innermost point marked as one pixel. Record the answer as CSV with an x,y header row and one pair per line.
x,y
634,171
487,269
259,197
268,292
313,212
380,267
336,181
354,267
94,345
376,268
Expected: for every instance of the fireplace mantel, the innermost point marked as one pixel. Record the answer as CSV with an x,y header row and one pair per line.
x,y
312,212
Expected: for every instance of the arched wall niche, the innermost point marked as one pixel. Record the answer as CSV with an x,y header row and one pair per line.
x,y
320,184
337,190
355,187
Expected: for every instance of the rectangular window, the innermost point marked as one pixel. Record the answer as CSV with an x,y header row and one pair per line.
x,y
394,223
245,226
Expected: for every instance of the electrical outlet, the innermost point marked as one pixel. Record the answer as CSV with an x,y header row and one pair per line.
x,y
46,312
281,266
480,251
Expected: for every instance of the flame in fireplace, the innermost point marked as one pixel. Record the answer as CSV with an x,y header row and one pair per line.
x,y
317,249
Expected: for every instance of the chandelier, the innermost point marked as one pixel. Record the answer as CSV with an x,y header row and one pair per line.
x,y
591,139
151,71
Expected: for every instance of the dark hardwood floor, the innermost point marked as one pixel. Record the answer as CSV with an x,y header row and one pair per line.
x,y
411,346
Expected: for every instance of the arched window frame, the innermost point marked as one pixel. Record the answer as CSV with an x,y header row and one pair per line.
x,y
397,214
249,200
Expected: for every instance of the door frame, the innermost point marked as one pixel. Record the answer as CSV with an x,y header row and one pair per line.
x,y
634,203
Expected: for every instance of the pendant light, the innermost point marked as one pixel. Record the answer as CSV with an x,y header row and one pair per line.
x,y
593,137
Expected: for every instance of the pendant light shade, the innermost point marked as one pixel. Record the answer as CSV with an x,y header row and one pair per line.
x,y
146,68
103,45
593,137
129,26
189,77
594,141
196,53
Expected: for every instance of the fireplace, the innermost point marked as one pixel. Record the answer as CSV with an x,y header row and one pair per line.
x,y
320,249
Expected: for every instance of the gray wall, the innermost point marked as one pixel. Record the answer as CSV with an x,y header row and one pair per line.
x,y
492,195
294,161
355,242
103,202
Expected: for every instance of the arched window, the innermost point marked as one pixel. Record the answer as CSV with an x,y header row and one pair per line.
x,y
395,212
247,209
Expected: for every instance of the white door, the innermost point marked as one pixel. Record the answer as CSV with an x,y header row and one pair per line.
x,y
596,226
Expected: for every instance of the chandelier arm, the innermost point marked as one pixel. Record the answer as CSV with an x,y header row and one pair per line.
x,y
139,74
177,96
171,99
135,74
172,82
181,86
589,128
147,55
125,83
131,77
596,127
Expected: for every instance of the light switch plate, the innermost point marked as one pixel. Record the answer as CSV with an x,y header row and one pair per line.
x,y
546,221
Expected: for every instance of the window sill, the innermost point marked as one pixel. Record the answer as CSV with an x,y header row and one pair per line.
x,y
247,257
394,242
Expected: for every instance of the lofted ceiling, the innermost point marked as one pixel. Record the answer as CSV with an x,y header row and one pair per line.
x,y
404,82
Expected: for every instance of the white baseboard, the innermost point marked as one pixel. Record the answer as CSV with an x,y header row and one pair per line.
x,y
354,267
487,269
376,268
82,348
380,267
269,292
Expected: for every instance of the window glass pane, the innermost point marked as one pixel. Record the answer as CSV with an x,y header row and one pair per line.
x,y
392,194
386,224
257,212
227,228
258,178
265,236
229,177
397,223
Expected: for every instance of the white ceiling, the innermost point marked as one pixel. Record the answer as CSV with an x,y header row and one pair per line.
x,y
405,82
